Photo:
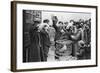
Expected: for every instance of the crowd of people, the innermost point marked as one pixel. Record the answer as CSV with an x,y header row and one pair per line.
x,y
69,40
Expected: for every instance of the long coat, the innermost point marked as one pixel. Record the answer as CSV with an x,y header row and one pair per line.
x,y
45,44
39,45
34,51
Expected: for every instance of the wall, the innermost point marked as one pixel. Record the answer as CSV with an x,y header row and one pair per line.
x,y
5,37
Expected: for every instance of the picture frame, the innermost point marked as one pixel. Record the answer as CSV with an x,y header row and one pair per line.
x,y
24,14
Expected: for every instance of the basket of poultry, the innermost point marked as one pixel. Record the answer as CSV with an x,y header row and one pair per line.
x,y
64,50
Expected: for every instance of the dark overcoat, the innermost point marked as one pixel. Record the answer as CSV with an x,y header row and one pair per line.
x,y
34,51
40,44
45,44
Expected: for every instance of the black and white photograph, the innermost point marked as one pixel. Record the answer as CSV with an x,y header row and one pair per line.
x,y
49,36
56,36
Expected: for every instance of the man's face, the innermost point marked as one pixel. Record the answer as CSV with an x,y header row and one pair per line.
x,y
72,22
37,16
46,27
66,24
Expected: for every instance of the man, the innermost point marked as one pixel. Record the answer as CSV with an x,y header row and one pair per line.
x,y
54,21
51,33
45,40
35,53
39,40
